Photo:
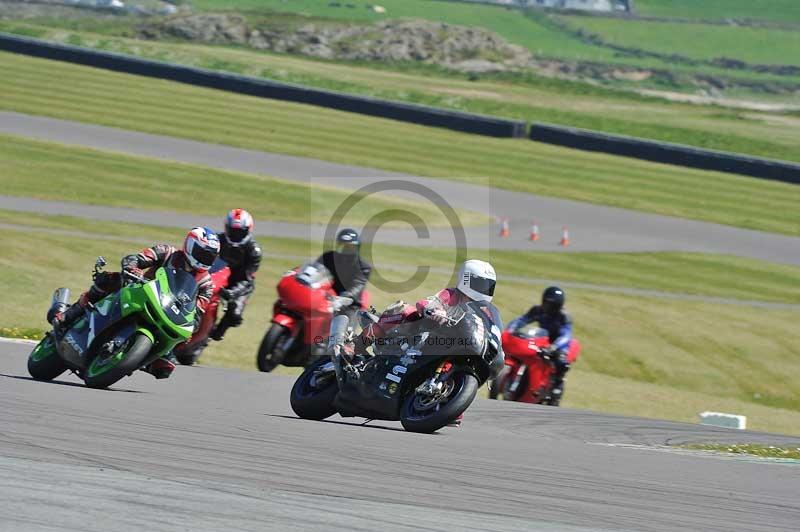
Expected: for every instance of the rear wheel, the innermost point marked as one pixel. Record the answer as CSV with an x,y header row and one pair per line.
x,y
266,358
424,413
44,364
108,368
313,393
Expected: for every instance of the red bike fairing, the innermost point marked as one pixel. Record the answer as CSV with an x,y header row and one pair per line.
x,y
524,353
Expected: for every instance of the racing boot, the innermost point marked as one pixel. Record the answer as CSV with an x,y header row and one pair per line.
x,y
218,332
161,368
63,320
556,390
457,421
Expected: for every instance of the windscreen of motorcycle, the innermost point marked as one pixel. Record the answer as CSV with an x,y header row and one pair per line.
x,y
312,274
179,302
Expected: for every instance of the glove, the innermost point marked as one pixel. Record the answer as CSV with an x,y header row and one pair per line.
x,y
133,270
225,294
439,316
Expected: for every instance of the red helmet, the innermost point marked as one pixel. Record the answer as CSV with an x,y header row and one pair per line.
x,y
238,227
201,248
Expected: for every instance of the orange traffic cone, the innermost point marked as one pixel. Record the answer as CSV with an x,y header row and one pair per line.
x,y
564,237
504,229
534,232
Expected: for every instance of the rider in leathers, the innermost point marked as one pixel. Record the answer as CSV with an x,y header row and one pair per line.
x,y
476,282
350,272
551,316
242,254
200,249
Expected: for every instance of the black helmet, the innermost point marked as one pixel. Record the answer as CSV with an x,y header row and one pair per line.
x,y
347,242
552,300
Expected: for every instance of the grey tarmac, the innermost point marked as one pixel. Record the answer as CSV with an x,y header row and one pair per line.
x,y
591,227
216,449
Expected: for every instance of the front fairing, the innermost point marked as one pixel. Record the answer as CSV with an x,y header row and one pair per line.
x,y
171,302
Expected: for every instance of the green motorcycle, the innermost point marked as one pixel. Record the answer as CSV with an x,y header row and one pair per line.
x,y
121,333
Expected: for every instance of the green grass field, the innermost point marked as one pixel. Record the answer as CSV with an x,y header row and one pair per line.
x,y
642,355
534,30
73,174
156,106
777,10
698,41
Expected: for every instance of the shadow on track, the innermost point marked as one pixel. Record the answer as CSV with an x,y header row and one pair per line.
x,y
66,383
363,424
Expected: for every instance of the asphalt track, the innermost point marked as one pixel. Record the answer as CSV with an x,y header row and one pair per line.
x,y
215,449
592,227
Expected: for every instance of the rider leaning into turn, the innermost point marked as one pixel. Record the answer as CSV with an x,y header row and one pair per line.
x,y
200,250
551,316
242,254
350,272
476,282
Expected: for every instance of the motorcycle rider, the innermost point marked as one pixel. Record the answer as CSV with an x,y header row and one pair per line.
x,y
242,253
350,272
200,250
476,282
551,316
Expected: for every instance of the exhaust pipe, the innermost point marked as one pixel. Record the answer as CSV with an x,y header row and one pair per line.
x,y
60,303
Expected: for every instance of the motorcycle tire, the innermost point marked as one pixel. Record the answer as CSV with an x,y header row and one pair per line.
x,y
265,359
309,402
44,364
428,421
100,374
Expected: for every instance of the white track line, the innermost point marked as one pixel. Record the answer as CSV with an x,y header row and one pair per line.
x,y
18,341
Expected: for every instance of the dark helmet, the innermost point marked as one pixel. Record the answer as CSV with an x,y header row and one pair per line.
x,y
553,300
347,242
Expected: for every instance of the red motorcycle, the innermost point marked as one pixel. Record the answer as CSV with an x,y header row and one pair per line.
x,y
527,376
188,352
301,318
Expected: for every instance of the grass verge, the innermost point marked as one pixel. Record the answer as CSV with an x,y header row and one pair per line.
x,y
762,451
52,171
113,99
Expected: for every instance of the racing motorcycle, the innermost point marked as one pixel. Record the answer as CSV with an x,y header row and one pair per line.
x,y
423,374
528,373
301,318
189,352
123,332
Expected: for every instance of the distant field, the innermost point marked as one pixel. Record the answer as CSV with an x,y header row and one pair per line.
x,y
777,10
642,356
698,41
143,104
530,98
533,31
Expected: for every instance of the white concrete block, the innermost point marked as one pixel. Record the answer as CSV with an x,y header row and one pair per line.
x,y
718,419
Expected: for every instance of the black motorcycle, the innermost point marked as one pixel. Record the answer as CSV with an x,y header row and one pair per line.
x,y
423,374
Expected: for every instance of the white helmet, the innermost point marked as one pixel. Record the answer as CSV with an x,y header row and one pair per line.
x,y
477,279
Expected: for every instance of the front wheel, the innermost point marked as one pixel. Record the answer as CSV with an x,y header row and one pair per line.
x,y
267,359
428,414
106,369
313,393
44,364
